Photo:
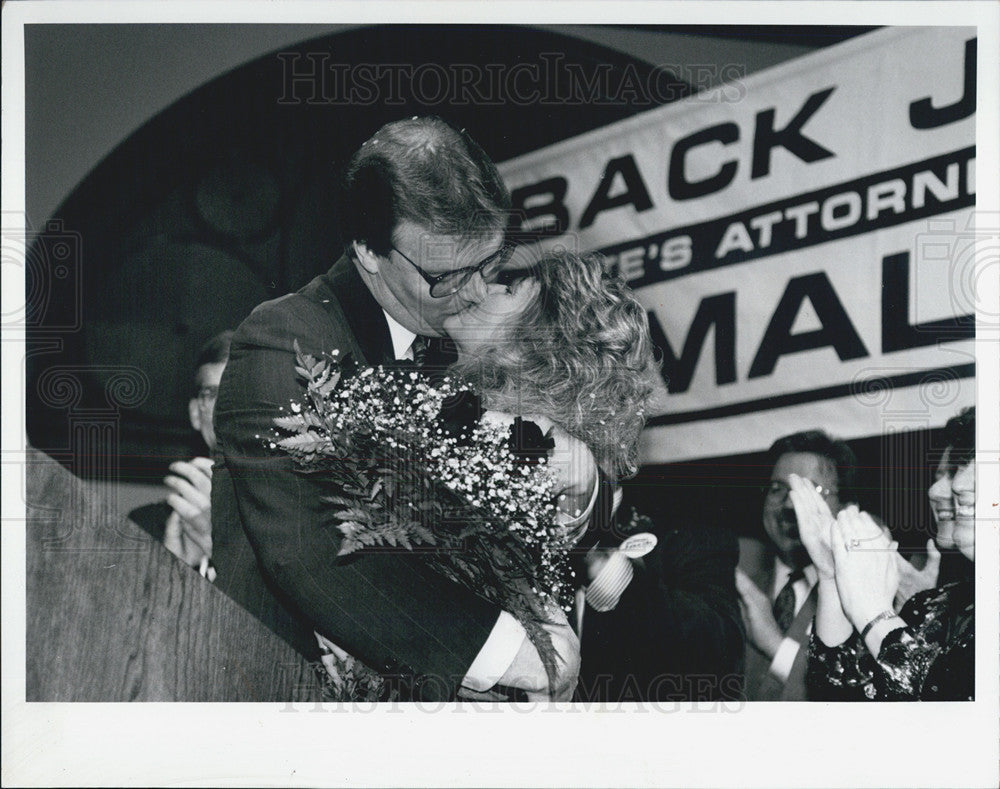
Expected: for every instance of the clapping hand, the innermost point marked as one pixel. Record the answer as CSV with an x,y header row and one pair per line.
x,y
912,580
758,618
815,523
865,566
189,527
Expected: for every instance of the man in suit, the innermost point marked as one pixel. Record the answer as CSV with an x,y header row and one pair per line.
x,y
425,211
775,579
659,618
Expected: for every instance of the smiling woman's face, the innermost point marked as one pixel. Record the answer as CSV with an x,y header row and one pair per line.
x,y
489,322
953,502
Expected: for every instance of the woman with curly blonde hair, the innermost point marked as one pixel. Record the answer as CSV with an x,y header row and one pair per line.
x,y
566,341
658,617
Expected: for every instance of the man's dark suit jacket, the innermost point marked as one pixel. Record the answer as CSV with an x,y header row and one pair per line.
x,y
676,633
757,561
386,608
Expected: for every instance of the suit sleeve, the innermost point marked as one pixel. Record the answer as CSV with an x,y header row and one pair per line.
x,y
386,608
685,595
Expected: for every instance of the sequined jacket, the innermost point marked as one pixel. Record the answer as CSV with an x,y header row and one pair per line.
x,y
932,659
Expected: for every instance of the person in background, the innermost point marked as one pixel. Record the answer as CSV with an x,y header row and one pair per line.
x,y
776,581
944,561
184,520
862,649
659,617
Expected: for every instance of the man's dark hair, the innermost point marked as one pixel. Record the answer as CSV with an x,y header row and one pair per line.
x,y
960,435
214,351
424,171
819,443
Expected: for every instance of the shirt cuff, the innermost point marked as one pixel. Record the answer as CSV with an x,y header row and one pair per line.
x,y
781,666
497,653
606,589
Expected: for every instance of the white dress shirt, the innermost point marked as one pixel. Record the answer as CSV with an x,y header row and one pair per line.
x,y
781,666
402,338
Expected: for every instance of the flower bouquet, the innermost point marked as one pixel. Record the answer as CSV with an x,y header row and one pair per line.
x,y
418,466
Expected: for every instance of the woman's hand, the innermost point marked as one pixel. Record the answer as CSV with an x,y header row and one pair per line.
x,y
865,565
755,608
815,523
912,580
573,464
577,482
595,560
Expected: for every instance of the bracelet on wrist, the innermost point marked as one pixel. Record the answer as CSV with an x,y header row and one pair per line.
x,y
887,614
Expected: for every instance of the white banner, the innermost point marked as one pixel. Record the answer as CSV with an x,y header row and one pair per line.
x,y
803,241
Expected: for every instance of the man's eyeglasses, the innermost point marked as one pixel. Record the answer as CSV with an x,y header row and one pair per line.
x,y
777,490
452,282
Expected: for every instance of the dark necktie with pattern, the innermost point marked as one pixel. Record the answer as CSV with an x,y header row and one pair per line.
x,y
419,347
784,603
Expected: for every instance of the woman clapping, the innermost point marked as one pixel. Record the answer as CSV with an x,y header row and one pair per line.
x,y
861,648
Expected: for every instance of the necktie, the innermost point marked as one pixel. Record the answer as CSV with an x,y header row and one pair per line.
x,y
419,348
784,603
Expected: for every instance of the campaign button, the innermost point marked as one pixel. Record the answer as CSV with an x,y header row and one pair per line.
x,y
638,545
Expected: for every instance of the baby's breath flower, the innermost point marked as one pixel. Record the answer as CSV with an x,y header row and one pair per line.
x,y
379,412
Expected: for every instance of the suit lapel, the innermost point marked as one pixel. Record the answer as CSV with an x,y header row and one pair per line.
x,y
363,314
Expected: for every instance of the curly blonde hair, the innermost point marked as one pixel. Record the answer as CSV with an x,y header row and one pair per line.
x,y
580,355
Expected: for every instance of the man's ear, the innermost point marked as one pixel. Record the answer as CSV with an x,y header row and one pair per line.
x,y
194,414
369,260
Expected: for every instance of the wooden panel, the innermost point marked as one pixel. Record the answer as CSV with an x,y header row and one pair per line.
x,y
113,616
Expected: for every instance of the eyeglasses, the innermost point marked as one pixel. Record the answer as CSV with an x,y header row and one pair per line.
x,y
207,394
777,490
452,282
